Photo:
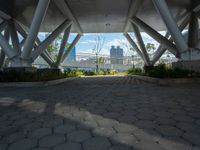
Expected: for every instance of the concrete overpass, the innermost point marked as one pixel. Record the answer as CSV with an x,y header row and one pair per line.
x,y
29,17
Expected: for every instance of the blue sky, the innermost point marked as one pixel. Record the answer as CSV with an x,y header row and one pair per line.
x,y
87,42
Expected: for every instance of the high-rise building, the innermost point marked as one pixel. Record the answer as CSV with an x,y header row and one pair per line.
x,y
116,55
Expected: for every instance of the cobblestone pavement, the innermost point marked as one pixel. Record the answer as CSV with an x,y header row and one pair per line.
x,y
100,113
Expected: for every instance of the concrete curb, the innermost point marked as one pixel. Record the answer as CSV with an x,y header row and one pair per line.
x,y
166,81
36,84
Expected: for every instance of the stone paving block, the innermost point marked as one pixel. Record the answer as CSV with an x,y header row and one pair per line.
x,y
103,131
146,124
3,146
156,113
188,127
124,139
23,144
127,119
193,138
165,121
169,131
41,132
147,145
51,141
97,143
174,143
40,148
15,137
120,148
64,129
69,146
196,148
147,135
78,135
107,122
52,123
124,128
183,118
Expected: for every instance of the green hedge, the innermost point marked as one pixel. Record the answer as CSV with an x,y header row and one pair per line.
x,y
39,75
164,71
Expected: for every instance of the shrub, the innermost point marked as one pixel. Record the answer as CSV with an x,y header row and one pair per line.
x,y
88,73
162,71
136,71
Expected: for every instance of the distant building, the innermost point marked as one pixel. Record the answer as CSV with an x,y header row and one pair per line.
x,y
116,55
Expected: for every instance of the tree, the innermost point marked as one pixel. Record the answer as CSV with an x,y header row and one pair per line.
x,y
99,43
150,47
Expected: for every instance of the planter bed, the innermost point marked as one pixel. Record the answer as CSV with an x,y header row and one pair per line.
x,y
166,81
36,84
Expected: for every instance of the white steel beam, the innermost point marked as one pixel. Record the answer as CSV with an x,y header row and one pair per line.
x,y
3,55
171,24
141,44
154,34
50,39
75,41
63,45
9,51
160,51
134,45
133,9
37,42
64,8
3,25
35,27
14,37
47,59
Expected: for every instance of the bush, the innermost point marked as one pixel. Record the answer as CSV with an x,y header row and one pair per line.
x,y
88,73
162,71
136,71
39,75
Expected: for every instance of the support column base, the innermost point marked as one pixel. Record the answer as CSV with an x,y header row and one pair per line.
x,y
20,69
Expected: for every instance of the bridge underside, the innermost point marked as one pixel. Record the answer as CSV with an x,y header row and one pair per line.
x,y
28,17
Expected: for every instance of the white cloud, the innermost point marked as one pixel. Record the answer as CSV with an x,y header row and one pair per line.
x,y
88,42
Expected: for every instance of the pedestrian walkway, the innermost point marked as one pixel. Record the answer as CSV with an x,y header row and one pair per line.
x,y
100,113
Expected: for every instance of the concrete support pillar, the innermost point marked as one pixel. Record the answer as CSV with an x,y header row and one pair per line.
x,y
24,34
62,46
2,58
161,50
2,54
171,25
193,32
34,29
154,34
75,41
9,51
14,37
141,44
50,39
3,25
134,45
47,59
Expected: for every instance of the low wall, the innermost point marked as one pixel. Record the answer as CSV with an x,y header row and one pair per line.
x,y
36,84
166,81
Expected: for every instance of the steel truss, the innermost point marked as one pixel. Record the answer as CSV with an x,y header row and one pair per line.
x,y
173,40
23,53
